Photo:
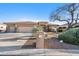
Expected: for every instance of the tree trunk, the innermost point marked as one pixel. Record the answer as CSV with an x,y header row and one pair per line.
x,y
69,26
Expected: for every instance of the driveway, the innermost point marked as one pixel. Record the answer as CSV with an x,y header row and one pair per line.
x,y
13,41
14,35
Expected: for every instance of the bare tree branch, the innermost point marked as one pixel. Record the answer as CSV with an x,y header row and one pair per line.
x,y
70,8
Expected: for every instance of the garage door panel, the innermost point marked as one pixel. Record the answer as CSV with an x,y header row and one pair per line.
x,y
24,29
11,29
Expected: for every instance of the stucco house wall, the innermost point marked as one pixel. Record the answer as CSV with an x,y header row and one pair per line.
x,y
23,27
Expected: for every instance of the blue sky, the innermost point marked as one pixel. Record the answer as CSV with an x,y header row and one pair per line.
x,y
12,12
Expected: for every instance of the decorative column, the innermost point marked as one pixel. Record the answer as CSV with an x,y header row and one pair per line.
x,y
15,28
40,40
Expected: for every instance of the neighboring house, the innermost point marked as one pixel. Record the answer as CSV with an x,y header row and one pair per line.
x,y
76,25
62,28
23,27
3,27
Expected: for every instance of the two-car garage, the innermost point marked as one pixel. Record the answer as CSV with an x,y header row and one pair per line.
x,y
20,27
25,29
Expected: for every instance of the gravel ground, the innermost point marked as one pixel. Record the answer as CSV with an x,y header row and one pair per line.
x,y
56,44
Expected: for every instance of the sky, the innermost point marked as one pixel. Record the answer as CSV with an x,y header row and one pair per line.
x,y
14,12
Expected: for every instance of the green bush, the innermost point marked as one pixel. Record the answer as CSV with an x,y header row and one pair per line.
x,y
70,36
38,28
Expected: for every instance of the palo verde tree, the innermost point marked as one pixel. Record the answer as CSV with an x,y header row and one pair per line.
x,y
68,13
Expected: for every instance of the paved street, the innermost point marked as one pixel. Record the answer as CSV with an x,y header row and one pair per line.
x,y
42,52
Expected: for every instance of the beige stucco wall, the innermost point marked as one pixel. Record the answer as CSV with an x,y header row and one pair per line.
x,y
40,40
22,26
24,29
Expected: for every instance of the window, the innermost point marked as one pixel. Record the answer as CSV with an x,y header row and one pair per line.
x,y
64,27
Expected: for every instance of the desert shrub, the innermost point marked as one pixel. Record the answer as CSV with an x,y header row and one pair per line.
x,y
38,28
70,36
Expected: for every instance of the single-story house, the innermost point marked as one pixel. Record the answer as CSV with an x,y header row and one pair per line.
x,y
22,27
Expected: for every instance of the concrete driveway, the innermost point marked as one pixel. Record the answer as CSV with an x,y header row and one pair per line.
x,y
13,41
14,35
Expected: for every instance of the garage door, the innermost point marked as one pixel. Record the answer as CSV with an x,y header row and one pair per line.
x,y
24,29
11,29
